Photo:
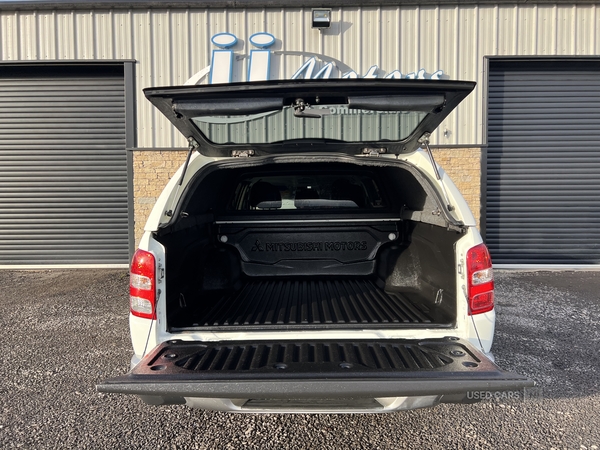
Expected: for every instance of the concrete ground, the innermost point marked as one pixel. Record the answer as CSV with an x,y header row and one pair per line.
x,y
64,331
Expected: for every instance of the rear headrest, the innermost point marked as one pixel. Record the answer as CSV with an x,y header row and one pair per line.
x,y
342,189
264,195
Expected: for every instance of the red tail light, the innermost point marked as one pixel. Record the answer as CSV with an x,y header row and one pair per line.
x,y
142,285
480,280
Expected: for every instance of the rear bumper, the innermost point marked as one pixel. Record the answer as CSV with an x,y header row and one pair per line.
x,y
324,395
316,376
325,405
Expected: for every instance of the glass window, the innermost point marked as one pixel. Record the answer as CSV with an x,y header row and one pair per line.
x,y
340,123
307,192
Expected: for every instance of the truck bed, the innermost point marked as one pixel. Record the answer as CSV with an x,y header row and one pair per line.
x,y
311,304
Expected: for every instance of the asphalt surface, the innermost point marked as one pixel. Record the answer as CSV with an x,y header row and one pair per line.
x,y
64,331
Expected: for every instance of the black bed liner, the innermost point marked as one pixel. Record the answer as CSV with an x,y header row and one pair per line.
x,y
314,304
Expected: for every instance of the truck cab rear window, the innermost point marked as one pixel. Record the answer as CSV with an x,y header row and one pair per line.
x,y
307,192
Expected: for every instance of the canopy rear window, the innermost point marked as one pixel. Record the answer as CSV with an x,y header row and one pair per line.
x,y
338,122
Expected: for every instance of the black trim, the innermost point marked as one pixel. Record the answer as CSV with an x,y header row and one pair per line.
x,y
483,160
130,141
317,388
158,149
482,193
66,62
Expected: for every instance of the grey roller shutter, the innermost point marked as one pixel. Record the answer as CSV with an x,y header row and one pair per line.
x,y
63,166
543,163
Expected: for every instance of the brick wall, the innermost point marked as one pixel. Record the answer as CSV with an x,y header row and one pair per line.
x,y
464,167
151,172
152,169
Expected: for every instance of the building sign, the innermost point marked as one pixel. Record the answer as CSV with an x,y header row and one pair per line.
x,y
222,66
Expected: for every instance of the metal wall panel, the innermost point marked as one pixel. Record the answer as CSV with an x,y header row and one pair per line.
x,y
63,166
543,163
171,45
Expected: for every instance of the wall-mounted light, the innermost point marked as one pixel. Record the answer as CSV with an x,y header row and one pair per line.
x,y
321,18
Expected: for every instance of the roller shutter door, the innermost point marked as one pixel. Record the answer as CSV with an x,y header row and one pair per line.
x,y
63,166
542,203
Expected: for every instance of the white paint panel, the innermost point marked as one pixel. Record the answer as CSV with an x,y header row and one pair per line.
x,y
428,39
104,36
507,30
428,53
466,113
199,47
46,27
179,43
171,45
390,39
122,34
64,40
371,40
84,35
293,21
596,34
28,34
565,26
546,30
447,61
142,52
162,66
527,22
409,45
10,38
585,29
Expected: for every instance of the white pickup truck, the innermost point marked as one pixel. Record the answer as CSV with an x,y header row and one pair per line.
x,y
310,256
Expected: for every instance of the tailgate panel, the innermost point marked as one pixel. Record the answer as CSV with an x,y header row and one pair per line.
x,y
312,369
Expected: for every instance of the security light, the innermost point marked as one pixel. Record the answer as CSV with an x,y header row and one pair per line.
x,y
321,18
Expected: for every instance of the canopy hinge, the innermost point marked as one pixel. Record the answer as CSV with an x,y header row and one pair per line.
x,y
242,153
367,151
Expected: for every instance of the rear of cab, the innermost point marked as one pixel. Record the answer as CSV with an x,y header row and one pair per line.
x,y
310,256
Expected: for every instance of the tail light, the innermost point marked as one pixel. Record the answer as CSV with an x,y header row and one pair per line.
x,y
480,280
142,285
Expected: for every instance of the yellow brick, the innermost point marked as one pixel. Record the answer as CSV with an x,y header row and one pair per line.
x,y
151,171
464,167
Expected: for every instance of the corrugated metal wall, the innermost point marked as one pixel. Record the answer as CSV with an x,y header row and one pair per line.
x,y
172,45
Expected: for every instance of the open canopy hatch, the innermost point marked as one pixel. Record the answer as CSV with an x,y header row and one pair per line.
x,y
290,116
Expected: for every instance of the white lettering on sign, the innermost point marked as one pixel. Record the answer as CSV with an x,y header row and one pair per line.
x,y
260,68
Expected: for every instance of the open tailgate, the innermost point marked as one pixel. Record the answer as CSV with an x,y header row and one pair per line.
x,y
447,367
